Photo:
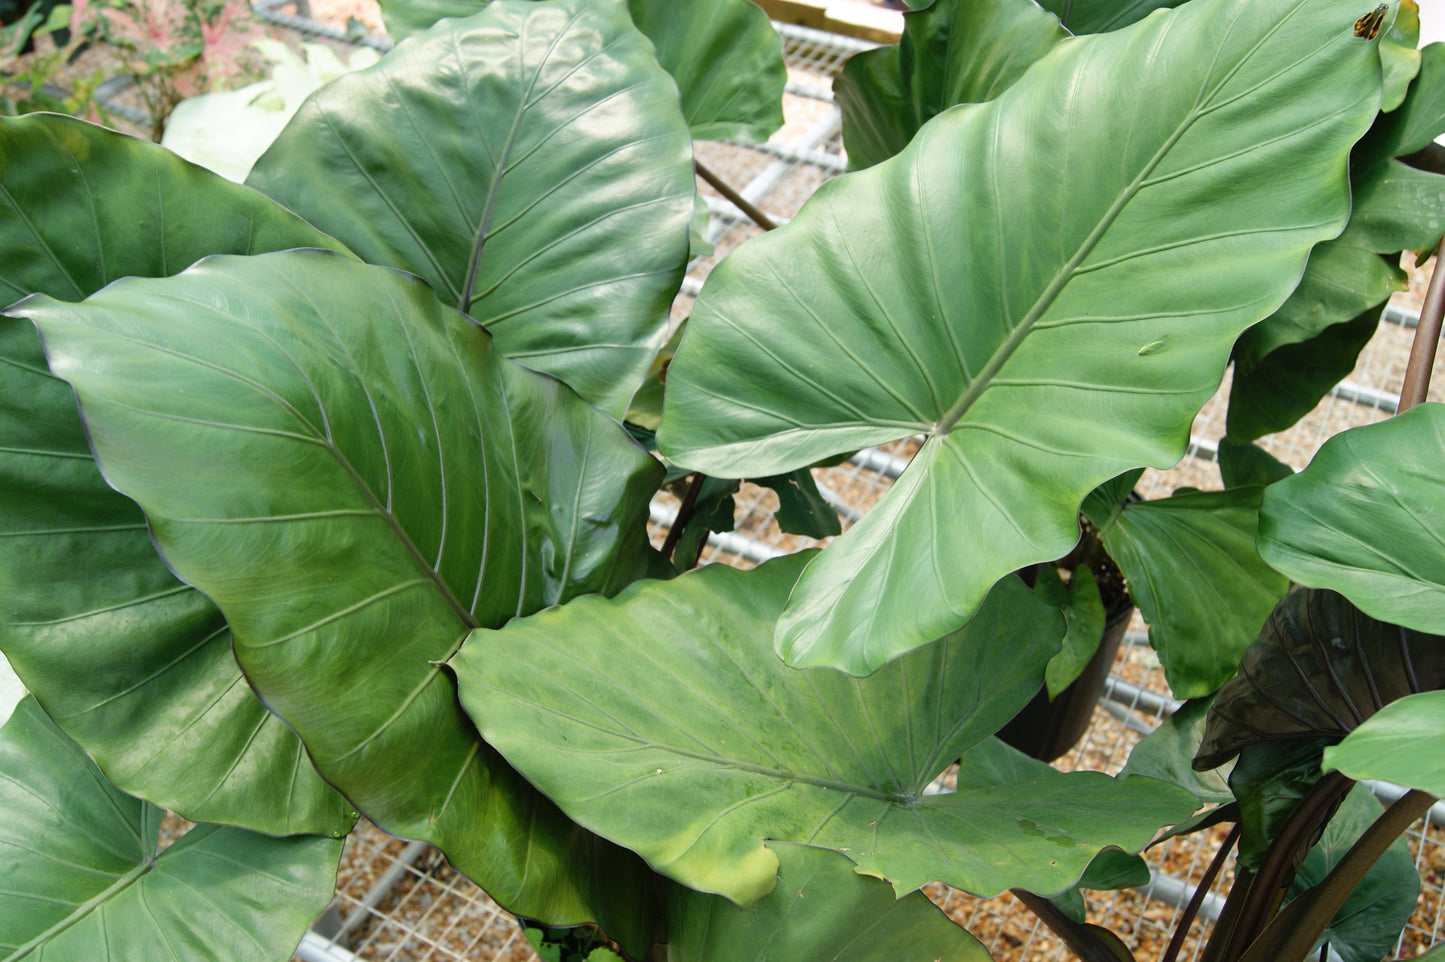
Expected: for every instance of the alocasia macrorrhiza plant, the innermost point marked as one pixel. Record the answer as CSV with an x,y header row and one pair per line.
x,y
347,522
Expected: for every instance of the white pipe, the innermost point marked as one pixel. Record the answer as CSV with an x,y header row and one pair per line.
x,y
315,948
727,541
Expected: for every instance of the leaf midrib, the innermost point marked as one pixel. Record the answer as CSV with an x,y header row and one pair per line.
x,y
499,170
83,910
1061,279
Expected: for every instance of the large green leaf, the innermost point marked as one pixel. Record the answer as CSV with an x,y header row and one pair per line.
x,y
529,162
1317,670
663,720
953,52
1344,279
83,879
1364,519
1098,16
1166,753
357,478
81,206
1368,925
727,60
1270,394
1047,286
1194,572
131,663
1417,121
1404,743
1395,208
724,54
1243,464
822,911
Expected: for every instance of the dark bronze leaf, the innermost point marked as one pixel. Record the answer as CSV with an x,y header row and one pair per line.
x,y
1318,668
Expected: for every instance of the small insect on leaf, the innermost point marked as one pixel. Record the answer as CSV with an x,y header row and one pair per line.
x,y
1153,347
1368,26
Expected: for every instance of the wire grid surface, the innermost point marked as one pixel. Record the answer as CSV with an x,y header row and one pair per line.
x,y
399,901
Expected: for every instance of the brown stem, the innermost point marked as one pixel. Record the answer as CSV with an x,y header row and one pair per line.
x,y
1300,831
1191,911
1086,941
1234,903
1291,935
1427,336
738,200
684,514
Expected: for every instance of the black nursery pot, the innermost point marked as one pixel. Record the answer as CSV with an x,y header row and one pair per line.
x,y
1047,729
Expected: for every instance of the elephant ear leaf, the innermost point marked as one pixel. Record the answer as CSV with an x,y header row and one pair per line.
x,y
1403,743
820,909
84,878
664,755
1379,485
281,418
1042,355
1099,16
953,52
1319,668
83,206
724,55
131,663
1180,556
727,60
557,173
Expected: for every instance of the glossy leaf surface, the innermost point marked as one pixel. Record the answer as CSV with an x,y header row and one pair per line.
x,y
1165,754
1272,393
820,910
1318,669
133,664
724,54
953,52
727,60
1193,570
530,164
1099,16
81,206
1366,519
1083,611
663,720
1269,779
358,479
1241,465
1368,926
1395,208
1398,207
1344,278
1404,743
83,879
1400,55
1417,121
913,297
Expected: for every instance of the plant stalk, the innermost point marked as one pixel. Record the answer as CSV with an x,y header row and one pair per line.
x,y
1206,882
1427,337
1300,831
684,514
1292,934
1224,925
738,200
